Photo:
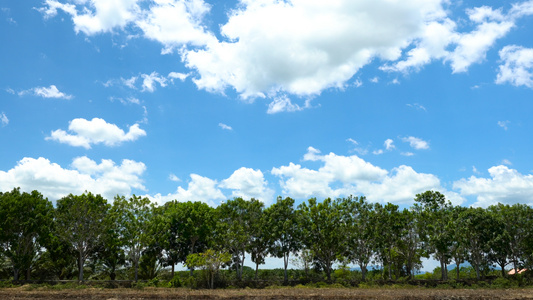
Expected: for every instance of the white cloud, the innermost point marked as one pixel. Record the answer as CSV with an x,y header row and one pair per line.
x,y
389,144
350,175
518,66
407,154
95,16
248,183
360,150
401,186
174,23
303,47
504,124
46,92
95,131
284,104
129,82
224,126
417,106
54,181
507,162
3,119
149,81
199,189
174,178
505,185
441,40
416,143
472,47
171,22
177,75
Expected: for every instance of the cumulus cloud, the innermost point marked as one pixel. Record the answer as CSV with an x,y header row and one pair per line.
x,y
54,181
416,143
170,22
303,47
505,185
3,119
95,16
199,189
95,131
46,92
517,67
174,23
350,175
248,183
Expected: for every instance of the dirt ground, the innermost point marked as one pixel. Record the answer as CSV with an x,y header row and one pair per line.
x,y
23,293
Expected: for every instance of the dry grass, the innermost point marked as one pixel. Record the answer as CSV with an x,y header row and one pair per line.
x,y
22,293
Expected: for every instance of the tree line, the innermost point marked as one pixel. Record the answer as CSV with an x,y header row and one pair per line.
x,y
136,234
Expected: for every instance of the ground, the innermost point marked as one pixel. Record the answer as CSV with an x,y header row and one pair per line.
x,y
22,293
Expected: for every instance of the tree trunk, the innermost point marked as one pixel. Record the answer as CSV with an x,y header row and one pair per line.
x,y
503,270
15,274
136,271
256,269
80,266
172,269
363,271
28,272
457,269
286,264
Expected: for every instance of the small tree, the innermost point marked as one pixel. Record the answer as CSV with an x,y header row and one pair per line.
x,y
209,262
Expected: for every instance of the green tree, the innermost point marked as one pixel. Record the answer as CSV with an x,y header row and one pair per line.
x,y
25,221
210,262
283,229
435,214
477,224
133,216
389,230
235,233
323,231
459,251
360,232
80,222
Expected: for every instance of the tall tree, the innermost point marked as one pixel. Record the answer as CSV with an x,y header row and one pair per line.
x,y
477,225
323,231
80,222
389,231
235,228
284,232
133,216
435,214
25,221
360,232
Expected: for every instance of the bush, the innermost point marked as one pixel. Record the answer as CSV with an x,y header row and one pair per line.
x,y
175,282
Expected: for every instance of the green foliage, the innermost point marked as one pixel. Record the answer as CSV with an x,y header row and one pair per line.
x,y
210,262
25,221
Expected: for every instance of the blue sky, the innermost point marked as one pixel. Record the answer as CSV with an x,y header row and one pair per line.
x,y
208,100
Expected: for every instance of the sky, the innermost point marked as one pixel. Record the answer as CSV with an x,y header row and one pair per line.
x,y
209,100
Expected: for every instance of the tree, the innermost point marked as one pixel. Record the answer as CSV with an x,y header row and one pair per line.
x,y
25,221
459,251
323,231
389,231
476,223
210,262
284,232
435,214
133,216
360,232
236,218
80,222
